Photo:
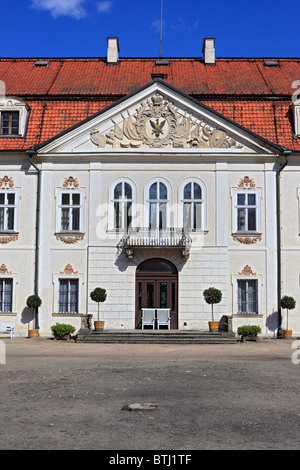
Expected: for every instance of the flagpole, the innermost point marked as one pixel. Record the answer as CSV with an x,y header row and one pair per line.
x,y
161,15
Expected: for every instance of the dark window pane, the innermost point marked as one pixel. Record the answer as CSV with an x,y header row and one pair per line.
x,y
197,191
128,191
11,198
76,199
163,295
118,191
157,265
75,220
251,200
187,192
241,199
163,193
153,191
251,219
65,198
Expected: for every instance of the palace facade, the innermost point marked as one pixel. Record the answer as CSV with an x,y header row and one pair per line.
x,y
154,178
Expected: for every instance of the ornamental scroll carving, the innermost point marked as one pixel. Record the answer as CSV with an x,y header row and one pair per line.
x,y
247,271
157,123
246,183
6,182
70,182
69,270
4,270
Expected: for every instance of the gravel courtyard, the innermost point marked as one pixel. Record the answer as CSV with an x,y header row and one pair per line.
x,y
58,395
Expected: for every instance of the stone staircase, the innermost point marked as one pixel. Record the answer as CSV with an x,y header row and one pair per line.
x,y
155,337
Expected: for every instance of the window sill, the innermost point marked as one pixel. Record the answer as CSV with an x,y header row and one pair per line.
x,y
12,136
8,314
248,315
68,314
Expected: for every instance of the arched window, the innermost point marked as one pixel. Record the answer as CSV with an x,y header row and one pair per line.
x,y
122,205
158,201
193,206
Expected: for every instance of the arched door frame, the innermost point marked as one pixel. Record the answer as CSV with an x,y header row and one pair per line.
x,y
156,286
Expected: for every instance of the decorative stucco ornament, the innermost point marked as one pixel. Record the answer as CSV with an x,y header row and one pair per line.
x,y
157,123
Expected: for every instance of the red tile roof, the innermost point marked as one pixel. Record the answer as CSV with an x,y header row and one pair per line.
x,y
69,90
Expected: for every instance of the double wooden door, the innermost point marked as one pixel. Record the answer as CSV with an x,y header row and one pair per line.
x,y
156,290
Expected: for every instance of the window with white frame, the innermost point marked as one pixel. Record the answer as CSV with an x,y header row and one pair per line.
x,y
6,295
8,211
246,211
68,295
70,211
247,296
13,117
193,206
158,205
9,124
123,201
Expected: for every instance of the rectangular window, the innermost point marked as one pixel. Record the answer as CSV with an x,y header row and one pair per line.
x,y
246,212
6,292
7,210
9,123
70,208
247,296
68,296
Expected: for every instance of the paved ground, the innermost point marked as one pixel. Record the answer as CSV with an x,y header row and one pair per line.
x,y
66,395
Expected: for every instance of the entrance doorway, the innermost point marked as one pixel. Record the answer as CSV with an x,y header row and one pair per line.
x,y
156,287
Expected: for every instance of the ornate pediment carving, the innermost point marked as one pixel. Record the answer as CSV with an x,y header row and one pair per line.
x,y
157,123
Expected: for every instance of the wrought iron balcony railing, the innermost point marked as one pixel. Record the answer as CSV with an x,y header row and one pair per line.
x,y
171,237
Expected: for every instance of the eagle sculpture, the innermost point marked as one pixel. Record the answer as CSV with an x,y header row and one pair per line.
x,y
157,127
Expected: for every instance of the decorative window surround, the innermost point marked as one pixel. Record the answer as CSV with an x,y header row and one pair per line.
x,y
297,118
67,273
203,227
148,201
122,200
9,200
69,235
10,104
246,236
6,274
244,275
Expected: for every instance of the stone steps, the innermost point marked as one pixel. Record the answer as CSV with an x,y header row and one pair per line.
x,y
155,337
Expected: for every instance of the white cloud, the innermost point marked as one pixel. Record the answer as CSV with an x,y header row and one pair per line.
x,y
72,8
104,7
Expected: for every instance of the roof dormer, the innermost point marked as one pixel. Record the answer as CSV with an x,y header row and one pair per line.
x,y
13,116
297,117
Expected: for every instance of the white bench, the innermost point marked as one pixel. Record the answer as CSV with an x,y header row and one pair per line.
x,y
7,328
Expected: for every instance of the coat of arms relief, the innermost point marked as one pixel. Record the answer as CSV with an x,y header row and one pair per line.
x,y
157,123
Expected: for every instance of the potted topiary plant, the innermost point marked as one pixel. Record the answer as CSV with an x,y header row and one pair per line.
x,y
62,331
34,302
289,303
212,296
98,295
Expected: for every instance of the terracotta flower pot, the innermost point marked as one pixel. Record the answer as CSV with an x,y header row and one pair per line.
x,y
287,334
99,325
213,325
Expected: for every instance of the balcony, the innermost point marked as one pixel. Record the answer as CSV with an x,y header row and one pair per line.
x,y
143,237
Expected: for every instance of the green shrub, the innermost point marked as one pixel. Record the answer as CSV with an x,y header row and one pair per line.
x,y
33,301
62,329
249,330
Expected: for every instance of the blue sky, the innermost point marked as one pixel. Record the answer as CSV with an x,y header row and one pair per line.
x,y
79,28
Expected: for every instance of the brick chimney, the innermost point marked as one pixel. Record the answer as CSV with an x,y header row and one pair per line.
x,y
208,50
112,50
